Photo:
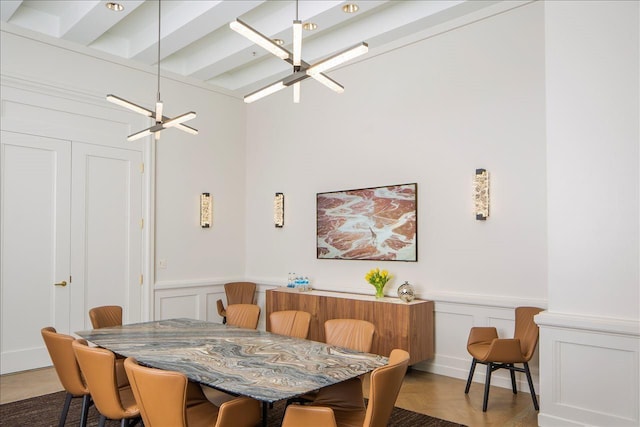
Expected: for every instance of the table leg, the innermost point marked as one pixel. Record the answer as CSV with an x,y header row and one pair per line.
x,y
264,413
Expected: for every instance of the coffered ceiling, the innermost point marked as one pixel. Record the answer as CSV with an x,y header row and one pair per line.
x,y
196,40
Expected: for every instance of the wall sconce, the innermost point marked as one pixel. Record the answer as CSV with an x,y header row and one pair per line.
x,y
278,210
481,194
206,208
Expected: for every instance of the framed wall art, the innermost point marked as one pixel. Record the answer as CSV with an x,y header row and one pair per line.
x,y
377,223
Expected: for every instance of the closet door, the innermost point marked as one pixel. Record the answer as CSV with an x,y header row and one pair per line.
x,y
35,231
106,233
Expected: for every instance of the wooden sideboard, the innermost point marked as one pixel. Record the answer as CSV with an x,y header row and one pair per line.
x,y
408,326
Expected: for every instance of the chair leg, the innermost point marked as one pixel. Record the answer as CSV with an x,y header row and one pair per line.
x,y
102,421
486,387
513,378
471,371
86,403
65,409
531,389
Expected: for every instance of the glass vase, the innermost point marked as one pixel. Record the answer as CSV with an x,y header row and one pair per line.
x,y
379,292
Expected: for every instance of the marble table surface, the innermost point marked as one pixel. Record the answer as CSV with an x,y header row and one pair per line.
x,y
265,366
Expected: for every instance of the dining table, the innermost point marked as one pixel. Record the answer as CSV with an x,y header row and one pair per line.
x,y
242,362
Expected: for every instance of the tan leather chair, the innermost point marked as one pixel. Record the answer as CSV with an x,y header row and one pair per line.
x,y
353,334
486,348
98,365
350,333
237,293
346,408
66,366
243,315
292,323
168,399
106,316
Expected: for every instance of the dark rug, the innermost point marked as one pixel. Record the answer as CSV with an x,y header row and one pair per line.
x,y
44,411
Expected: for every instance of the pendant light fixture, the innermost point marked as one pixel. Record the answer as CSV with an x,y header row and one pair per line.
x,y
301,69
162,122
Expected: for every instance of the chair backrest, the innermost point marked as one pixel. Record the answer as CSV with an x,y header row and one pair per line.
x,y
526,330
64,361
106,316
384,387
161,395
98,365
293,323
350,333
240,292
243,315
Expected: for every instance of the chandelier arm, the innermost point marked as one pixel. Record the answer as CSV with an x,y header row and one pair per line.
x,y
260,39
339,58
186,128
130,105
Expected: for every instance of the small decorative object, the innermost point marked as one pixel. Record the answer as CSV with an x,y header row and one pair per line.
x,y
481,194
406,292
378,279
205,210
278,210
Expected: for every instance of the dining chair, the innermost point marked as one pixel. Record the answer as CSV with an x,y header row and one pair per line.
x,y
237,293
487,348
344,406
106,316
98,366
243,315
168,399
68,370
293,323
353,334
350,333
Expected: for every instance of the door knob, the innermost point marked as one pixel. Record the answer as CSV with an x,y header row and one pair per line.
x,y
63,283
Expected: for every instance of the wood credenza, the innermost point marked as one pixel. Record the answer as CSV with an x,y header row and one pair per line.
x,y
408,326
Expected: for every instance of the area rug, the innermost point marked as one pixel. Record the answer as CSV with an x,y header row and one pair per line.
x,y
44,411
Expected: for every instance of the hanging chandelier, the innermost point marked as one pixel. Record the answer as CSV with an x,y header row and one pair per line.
x,y
162,122
301,69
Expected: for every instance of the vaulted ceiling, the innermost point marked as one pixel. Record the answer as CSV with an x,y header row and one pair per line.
x,y
196,40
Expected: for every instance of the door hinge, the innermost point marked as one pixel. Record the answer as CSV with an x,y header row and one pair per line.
x,y
69,279
141,167
141,279
142,223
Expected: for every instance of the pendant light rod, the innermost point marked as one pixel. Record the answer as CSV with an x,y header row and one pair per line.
x,y
161,121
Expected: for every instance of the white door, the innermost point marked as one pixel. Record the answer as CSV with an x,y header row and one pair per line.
x,y
35,230
106,232
70,213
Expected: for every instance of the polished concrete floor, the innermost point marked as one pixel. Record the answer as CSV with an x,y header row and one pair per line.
x,y
435,395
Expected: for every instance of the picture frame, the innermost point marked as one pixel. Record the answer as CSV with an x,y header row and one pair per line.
x,y
375,223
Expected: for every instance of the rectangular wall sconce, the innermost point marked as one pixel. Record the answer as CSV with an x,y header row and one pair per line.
x,y
481,194
278,210
206,209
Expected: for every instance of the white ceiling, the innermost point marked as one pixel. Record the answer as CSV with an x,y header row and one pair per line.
x,y
196,40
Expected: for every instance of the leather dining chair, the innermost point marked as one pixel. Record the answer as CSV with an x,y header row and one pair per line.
x,y
293,323
98,366
243,315
66,366
237,293
487,348
344,407
350,333
353,334
106,316
168,399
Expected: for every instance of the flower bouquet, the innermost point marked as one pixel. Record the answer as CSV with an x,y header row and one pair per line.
x,y
378,279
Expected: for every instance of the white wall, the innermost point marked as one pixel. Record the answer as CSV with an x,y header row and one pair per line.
x,y
431,112
593,321
186,165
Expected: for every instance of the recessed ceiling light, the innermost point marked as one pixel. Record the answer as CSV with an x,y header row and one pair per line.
x,y
350,8
116,7
279,42
309,26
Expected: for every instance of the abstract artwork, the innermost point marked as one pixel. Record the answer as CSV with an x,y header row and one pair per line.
x,y
378,223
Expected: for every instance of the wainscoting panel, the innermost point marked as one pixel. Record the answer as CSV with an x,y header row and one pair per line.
x,y
591,371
